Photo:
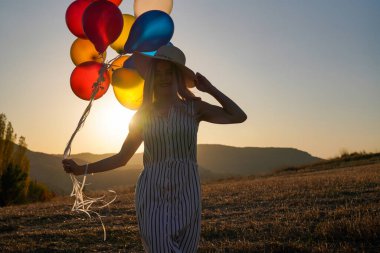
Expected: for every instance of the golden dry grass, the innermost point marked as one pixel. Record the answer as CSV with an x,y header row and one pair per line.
x,y
335,210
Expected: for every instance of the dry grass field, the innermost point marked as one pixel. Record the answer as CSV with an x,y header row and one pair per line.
x,y
333,210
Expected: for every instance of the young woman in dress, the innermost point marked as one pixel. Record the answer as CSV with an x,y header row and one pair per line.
x,y
168,192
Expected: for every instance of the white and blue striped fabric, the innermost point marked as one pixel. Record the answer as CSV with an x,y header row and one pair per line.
x,y
168,191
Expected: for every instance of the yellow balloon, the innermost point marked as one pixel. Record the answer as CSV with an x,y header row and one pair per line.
x,y
128,87
116,64
118,44
83,50
141,6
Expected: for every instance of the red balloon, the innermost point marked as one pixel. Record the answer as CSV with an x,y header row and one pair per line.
x,y
74,14
116,2
102,23
83,78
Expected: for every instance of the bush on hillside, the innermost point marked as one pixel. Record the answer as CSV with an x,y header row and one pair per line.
x,y
38,192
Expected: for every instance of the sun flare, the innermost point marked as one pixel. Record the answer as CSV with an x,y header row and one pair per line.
x,y
112,121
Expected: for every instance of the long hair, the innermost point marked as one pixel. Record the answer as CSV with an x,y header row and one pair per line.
x,y
148,93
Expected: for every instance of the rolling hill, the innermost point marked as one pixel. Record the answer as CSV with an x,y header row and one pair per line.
x,y
215,162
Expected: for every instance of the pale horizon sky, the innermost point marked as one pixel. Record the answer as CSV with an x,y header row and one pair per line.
x,y
307,73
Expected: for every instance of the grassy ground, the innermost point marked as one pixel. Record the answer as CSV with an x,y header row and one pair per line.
x,y
332,210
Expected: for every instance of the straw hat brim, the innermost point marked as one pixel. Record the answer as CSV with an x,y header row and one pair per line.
x,y
142,62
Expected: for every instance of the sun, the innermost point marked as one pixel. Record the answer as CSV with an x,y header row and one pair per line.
x,y
112,121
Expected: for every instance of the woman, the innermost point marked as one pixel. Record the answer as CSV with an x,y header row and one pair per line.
x,y
168,193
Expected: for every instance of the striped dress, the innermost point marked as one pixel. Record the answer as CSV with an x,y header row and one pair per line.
x,y
168,193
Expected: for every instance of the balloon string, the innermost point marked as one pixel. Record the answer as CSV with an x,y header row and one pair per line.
x,y
109,63
114,59
82,203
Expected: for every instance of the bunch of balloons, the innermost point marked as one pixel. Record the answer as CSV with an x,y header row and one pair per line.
x,y
99,24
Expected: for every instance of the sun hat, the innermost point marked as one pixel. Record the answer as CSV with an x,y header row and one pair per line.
x,y
168,53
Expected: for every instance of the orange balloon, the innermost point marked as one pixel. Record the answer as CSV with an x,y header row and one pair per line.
x,y
128,87
83,50
116,64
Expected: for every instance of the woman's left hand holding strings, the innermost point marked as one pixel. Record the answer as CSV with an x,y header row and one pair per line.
x,y
72,167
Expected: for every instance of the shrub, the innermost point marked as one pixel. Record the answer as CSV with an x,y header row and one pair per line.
x,y
13,185
38,192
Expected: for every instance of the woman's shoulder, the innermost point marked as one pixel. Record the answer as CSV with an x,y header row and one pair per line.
x,y
194,101
195,106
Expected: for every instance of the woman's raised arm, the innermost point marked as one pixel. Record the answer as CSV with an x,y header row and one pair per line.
x,y
229,113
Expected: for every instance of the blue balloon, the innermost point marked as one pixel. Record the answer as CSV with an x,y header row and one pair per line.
x,y
150,31
129,63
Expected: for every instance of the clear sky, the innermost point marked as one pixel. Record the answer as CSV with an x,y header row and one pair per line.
x,y
307,73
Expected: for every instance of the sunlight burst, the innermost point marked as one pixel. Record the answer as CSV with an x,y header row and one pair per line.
x,y
113,122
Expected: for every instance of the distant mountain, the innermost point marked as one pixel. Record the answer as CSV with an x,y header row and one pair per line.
x,y
215,162
250,160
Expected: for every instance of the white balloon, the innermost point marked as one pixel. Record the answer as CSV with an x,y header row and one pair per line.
x,y
141,6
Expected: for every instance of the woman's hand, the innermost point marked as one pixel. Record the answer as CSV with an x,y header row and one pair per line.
x,y
202,83
72,167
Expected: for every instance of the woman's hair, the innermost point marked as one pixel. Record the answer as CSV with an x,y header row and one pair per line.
x,y
148,92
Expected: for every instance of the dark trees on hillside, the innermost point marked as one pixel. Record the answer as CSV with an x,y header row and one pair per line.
x,y
15,185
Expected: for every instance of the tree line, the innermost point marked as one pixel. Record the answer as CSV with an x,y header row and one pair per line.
x,y
16,187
